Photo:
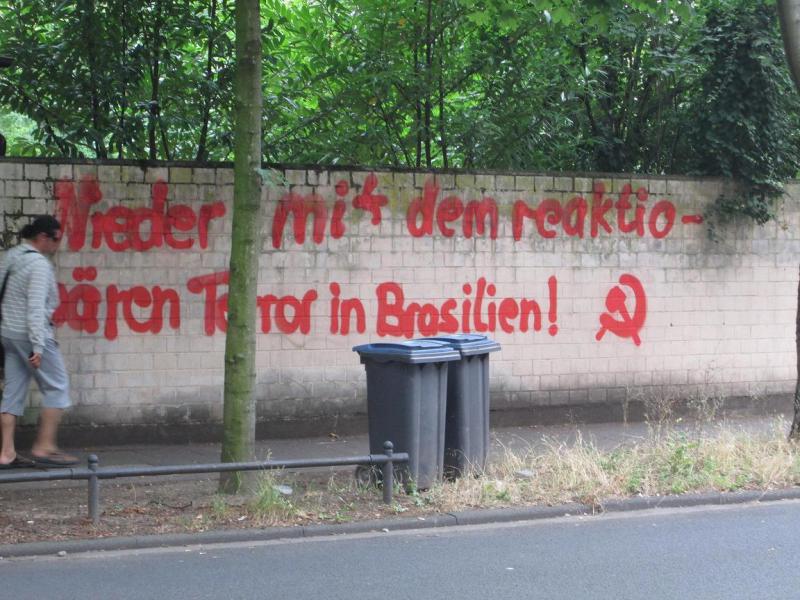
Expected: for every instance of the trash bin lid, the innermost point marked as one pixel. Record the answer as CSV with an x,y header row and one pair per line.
x,y
468,344
412,352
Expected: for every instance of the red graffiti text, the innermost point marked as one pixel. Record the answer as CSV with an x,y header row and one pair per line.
x,y
479,312
142,309
424,211
289,313
603,214
139,229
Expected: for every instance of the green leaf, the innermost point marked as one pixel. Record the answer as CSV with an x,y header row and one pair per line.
x,y
479,18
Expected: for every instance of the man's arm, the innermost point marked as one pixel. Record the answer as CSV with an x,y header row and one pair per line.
x,y
3,268
38,284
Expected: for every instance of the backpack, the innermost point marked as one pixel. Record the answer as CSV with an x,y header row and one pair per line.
x,y
2,294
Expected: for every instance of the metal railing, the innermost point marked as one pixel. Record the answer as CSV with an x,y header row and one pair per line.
x,y
94,472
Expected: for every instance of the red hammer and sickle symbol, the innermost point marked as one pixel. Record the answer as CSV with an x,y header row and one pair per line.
x,y
627,326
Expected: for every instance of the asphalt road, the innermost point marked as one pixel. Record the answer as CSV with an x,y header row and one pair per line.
x,y
743,551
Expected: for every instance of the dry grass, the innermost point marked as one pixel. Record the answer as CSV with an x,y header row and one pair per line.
x,y
668,461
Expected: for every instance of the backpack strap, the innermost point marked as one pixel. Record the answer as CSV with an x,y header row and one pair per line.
x,y
8,272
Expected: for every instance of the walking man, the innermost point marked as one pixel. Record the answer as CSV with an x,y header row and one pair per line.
x,y
30,298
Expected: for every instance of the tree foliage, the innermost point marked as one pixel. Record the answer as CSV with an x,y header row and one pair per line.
x,y
120,78
642,86
747,112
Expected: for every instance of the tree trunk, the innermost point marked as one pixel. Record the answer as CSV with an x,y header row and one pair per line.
x,y
90,28
123,53
428,82
202,151
239,401
442,117
417,102
164,139
789,16
154,109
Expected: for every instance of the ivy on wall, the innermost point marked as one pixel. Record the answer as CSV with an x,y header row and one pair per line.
x,y
747,126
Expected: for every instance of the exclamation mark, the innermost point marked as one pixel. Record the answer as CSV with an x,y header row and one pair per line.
x,y
553,312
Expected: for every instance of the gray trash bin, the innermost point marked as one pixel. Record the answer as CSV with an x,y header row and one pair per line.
x,y
467,416
406,402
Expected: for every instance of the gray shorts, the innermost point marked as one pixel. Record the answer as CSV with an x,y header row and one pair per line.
x,y
51,376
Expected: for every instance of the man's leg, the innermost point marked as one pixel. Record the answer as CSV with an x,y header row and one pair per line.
x,y
45,443
15,393
53,382
8,424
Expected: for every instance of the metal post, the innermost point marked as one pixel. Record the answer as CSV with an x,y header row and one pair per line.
x,y
94,490
388,472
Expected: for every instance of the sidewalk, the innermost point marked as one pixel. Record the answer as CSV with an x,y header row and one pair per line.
x,y
604,436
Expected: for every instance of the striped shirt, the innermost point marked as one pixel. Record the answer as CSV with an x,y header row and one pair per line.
x,y
31,296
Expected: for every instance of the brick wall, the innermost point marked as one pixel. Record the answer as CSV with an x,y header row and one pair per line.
x,y
594,304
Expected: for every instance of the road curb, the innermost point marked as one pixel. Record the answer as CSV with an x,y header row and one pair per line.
x,y
507,515
471,517
704,499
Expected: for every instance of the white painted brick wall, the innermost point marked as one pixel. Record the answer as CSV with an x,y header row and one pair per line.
x,y
718,313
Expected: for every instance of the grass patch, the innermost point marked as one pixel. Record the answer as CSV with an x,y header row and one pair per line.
x,y
269,504
666,462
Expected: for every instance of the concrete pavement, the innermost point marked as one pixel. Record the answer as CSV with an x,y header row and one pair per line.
x,y
602,435
518,439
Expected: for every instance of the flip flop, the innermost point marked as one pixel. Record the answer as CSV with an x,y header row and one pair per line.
x,y
54,459
19,462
